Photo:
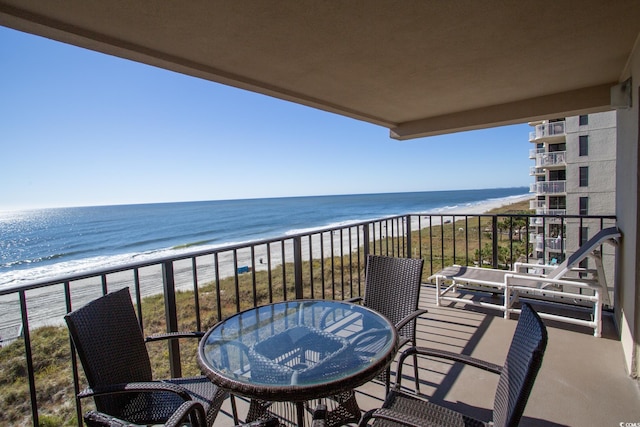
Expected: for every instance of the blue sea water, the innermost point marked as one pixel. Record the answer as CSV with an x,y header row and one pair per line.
x,y
39,243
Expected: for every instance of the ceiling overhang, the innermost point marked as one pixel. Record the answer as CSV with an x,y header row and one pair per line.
x,y
417,68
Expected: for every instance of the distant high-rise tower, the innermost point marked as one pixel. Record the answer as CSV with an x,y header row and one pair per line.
x,y
574,172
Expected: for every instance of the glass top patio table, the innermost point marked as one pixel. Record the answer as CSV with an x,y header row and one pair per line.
x,y
298,350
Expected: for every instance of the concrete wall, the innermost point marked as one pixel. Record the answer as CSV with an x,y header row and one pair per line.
x,y
627,210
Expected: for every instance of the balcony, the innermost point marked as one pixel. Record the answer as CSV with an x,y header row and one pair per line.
x,y
534,152
329,264
551,160
548,132
536,171
537,204
548,187
556,244
578,370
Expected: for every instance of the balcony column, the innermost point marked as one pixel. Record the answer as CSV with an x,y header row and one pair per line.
x,y
627,292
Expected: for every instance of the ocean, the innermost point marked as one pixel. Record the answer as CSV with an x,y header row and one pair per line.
x,y
37,244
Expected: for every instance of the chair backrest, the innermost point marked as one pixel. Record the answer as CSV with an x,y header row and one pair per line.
x,y
520,369
604,235
110,345
392,288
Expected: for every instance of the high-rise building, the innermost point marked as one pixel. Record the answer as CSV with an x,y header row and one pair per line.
x,y
574,172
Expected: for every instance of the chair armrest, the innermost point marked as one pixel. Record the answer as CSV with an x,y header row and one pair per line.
x,y
410,317
173,335
354,300
443,354
190,410
146,387
390,415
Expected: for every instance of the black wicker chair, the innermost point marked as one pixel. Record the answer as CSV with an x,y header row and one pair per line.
x,y
112,350
514,386
392,288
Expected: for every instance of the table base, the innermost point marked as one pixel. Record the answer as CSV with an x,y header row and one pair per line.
x,y
341,409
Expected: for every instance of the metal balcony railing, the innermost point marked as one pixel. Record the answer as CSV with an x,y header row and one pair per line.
x,y
556,158
536,171
216,283
548,187
546,130
537,204
534,152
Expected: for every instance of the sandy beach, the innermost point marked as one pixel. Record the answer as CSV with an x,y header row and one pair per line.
x,y
46,306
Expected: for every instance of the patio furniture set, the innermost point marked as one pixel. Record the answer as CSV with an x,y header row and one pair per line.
x,y
312,354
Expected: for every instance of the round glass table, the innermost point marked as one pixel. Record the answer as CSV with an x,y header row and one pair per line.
x,y
296,351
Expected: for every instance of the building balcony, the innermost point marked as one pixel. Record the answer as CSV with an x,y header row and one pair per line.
x,y
536,171
537,204
542,243
548,187
575,360
553,159
548,132
535,151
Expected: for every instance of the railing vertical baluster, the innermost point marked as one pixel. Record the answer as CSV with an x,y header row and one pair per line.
x,y
171,315
136,285
408,236
350,263
466,239
442,264
494,236
366,236
284,270
269,272
196,294
216,266
311,281
454,236
323,292
333,269
297,267
341,264
29,356
254,283
236,279
74,360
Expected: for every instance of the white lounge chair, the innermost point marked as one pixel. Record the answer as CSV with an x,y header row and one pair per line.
x,y
536,280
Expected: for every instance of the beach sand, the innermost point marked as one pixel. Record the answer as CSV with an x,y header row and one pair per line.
x,y
46,306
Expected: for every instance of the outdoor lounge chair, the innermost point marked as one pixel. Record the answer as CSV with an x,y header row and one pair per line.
x,y
111,348
551,282
392,288
517,377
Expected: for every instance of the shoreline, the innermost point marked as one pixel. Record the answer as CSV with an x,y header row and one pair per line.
x,y
46,306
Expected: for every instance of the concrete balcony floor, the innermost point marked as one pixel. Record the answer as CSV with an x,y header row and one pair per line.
x,y
582,382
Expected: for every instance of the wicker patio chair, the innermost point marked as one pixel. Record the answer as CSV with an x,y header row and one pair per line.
x,y
392,288
112,350
514,386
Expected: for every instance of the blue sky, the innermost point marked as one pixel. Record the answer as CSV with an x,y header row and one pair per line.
x,y
81,128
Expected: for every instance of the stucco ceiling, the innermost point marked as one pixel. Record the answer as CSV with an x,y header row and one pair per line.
x,y
416,67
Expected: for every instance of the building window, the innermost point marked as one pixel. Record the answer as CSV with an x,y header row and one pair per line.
x,y
584,120
584,176
584,206
584,145
584,235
